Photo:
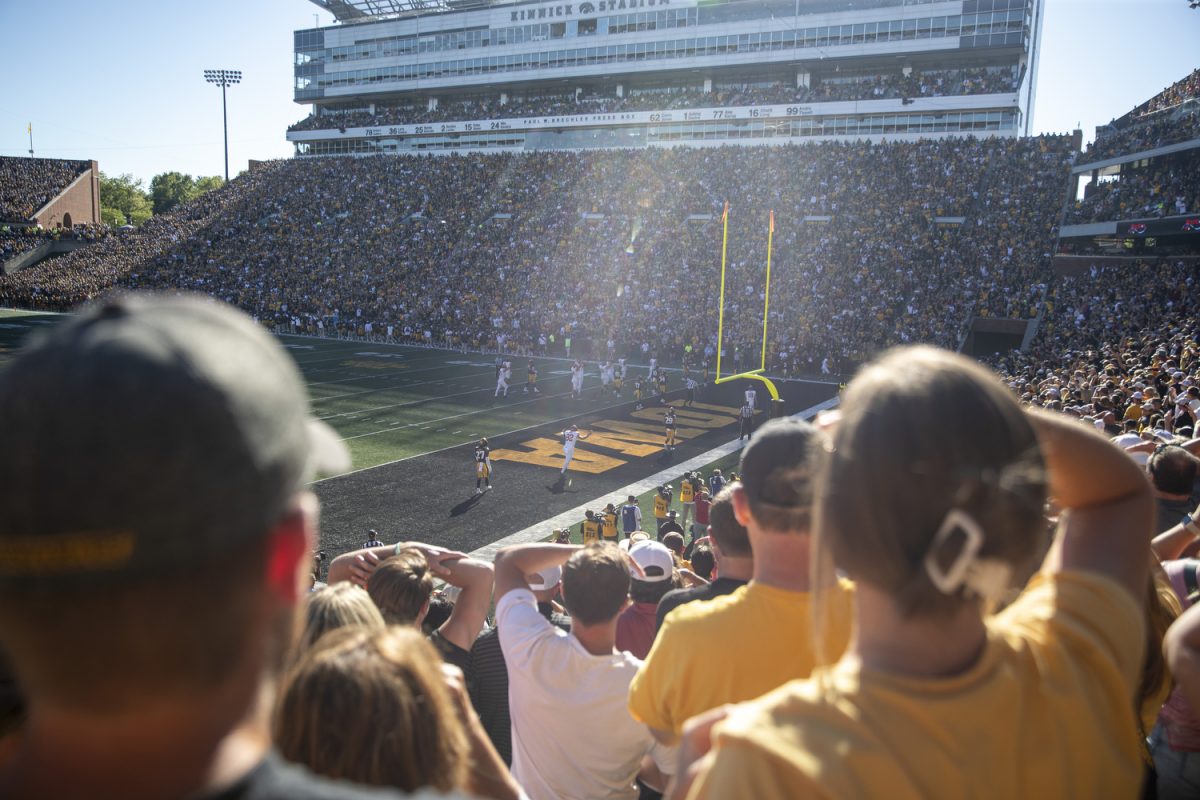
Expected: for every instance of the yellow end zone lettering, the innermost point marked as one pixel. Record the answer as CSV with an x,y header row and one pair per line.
x,y
636,439
548,453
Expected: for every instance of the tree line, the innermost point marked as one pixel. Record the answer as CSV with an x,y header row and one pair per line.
x,y
124,201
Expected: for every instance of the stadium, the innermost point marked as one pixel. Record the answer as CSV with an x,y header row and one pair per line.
x,y
552,271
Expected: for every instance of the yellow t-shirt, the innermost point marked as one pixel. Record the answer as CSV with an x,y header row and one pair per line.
x,y
732,648
660,506
1046,712
685,492
590,531
608,526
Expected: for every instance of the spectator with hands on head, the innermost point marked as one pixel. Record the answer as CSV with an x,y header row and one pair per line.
x,y
400,580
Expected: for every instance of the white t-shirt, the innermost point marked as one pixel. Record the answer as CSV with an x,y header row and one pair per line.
x,y
572,734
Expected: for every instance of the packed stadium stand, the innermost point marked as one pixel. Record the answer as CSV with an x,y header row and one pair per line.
x,y
874,245
1140,182
885,230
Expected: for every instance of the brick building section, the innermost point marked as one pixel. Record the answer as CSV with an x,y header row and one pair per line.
x,y
79,203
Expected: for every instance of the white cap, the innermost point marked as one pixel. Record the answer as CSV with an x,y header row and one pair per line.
x,y
545,579
655,560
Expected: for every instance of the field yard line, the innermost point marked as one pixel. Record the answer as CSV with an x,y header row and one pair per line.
x,y
512,356
464,414
404,405
428,399
420,383
414,359
543,530
390,387
460,444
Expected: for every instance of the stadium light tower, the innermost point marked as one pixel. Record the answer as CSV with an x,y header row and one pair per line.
x,y
223,78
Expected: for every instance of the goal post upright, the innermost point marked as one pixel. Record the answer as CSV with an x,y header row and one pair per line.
x,y
721,302
754,374
767,292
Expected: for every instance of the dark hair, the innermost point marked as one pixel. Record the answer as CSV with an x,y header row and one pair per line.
x,y
703,561
1172,469
401,586
440,609
595,583
653,591
729,534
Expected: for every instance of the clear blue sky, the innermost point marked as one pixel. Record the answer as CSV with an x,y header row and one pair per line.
x,y
123,82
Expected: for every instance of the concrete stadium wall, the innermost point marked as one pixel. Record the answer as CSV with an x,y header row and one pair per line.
x,y
79,203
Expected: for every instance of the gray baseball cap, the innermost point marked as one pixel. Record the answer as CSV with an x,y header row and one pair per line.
x,y
146,434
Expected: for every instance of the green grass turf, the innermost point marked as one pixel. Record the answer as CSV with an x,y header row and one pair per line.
x,y
392,402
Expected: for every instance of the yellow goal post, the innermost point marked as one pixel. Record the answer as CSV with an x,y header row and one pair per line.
x,y
753,374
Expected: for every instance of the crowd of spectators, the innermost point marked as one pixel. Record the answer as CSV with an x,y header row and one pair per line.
x,y
622,246
1113,339
1169,127
1183,90
27,184
932,565
1170,116
1164,187
17,241
887,534
918,84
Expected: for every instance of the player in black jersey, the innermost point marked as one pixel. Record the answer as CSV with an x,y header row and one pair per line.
x,y
531,376
483,466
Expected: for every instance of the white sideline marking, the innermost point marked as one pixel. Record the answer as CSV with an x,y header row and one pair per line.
x,y
543,530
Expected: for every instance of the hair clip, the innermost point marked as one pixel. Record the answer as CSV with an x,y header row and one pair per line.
x,y
953,577
985,577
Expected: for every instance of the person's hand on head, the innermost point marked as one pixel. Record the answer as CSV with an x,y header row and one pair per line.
x,y
362,567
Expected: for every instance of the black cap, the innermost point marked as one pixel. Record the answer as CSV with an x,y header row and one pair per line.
x,y
146,434
776,464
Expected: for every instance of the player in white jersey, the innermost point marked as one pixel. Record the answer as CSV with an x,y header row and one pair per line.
x,y
570,436
606,375
621,368
503,373
751,396
576,379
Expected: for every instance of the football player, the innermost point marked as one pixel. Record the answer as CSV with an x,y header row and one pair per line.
x,y
576,380
570,436
483,466
531,375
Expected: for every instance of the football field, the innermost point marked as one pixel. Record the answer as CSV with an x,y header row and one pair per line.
x,y
411,416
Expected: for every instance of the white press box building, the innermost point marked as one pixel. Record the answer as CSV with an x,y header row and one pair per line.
x,y
442,76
